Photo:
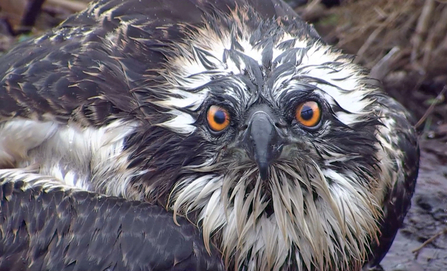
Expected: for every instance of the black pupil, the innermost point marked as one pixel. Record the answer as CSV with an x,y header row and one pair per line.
x,y
307,112
219,116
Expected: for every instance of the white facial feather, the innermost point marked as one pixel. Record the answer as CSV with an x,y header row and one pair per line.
x,y
320,66
181,122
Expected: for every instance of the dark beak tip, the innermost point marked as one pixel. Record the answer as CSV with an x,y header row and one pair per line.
x,y
264,171
262,140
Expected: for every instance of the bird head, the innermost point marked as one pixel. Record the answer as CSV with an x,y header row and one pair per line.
x,y
268,140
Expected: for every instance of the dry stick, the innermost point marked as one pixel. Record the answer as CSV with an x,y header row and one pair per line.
x,y
431,239
422,27
383,66
32,10
357,31
436,33
382,14
313,11
442,46
375,33
438,98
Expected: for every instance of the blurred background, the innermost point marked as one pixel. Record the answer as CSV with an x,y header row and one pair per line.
x,y
402,42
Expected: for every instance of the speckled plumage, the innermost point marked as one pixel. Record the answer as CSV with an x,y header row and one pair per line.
x,y
104,119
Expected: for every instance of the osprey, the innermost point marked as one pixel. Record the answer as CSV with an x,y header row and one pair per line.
x,y
196,135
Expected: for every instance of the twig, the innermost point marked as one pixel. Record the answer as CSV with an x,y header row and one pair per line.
x,y
435,34
313,11
431,239
422,27
373,37
32,10
430,109
383,65
442,46
4,22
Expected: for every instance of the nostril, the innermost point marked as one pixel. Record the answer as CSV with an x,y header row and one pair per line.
x,y
244,127
280,125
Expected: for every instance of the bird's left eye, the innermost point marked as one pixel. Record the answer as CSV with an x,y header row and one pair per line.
x,y
308,114
218,118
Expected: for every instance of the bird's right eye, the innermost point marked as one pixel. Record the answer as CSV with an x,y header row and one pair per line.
x,y
218,118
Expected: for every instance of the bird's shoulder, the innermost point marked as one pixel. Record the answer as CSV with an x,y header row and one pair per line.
x,y
399,140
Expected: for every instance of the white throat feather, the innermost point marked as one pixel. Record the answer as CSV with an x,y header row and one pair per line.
x,y
310,224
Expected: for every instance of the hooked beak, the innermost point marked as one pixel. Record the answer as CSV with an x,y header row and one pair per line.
x,y
262,140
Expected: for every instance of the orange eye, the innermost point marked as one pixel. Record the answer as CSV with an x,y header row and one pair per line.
x,y
218,118
308,114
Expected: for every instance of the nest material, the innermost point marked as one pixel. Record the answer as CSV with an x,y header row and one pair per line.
x,y
394,34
